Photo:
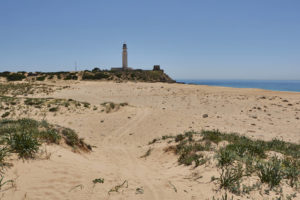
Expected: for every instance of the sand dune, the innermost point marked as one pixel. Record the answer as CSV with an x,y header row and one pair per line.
x,y
121,137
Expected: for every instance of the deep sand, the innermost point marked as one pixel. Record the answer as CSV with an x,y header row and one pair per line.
x,y
120,138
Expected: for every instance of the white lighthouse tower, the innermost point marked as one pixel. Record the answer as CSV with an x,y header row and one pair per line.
x,y
124,57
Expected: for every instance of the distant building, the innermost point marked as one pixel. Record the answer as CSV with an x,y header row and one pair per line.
x,y
156,68
124,60
124,57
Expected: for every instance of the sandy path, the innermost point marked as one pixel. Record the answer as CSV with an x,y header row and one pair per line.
x,y
125,156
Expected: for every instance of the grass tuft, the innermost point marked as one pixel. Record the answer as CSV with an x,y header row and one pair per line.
x,y
24,137
98,180
270,172
230,178
23,144
239,157
6,114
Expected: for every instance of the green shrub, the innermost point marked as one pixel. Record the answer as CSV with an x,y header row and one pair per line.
x,y
179,138
50,77
34,101
213,136
187,159
49,136
96,69
24,136
164,137
4,152
225,157
148,152
5,114
291,170
230,178
4,74
123,104
87,76
112,105
270,172
41,78
15,77
98,180
71,77
95,76
86,104
283,147
242,156
153,141
71,137
2,182
24,144
53,109
244,148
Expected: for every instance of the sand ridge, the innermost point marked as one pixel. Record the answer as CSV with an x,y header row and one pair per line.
x,y
120,139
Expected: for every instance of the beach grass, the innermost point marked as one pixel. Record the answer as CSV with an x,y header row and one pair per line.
x,y
24,137
238,157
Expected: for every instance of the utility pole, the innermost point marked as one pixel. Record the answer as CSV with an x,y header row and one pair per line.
x,y
76,66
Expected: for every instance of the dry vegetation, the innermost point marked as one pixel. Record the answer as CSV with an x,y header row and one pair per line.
x,y
244,165
95,74
112,107
14,103
24,137
24,89
21,106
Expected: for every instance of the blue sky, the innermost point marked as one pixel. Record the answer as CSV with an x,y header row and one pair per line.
x,y
192,39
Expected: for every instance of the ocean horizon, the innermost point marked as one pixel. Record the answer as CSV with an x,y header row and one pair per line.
x,y
275,85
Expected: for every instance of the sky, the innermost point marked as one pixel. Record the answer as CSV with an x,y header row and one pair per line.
x,y
191,39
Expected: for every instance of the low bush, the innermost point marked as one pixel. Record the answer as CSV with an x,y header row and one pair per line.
x,y
239,156
230,178
95,76
96,69
40,78
34,101
270,172
71,77
98,180
291,170
51,77
225,157
53,109
24,136
6,114
71,137
15,77
24,144
4,74
49,136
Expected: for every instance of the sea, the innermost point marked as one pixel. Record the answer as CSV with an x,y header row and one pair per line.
x,y
275,85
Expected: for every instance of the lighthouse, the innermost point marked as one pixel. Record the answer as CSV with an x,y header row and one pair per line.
x,y
124,57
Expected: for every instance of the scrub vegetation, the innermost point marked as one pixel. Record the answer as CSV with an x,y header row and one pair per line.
x,y
18,106
24,89
24,138
156,75
239,159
